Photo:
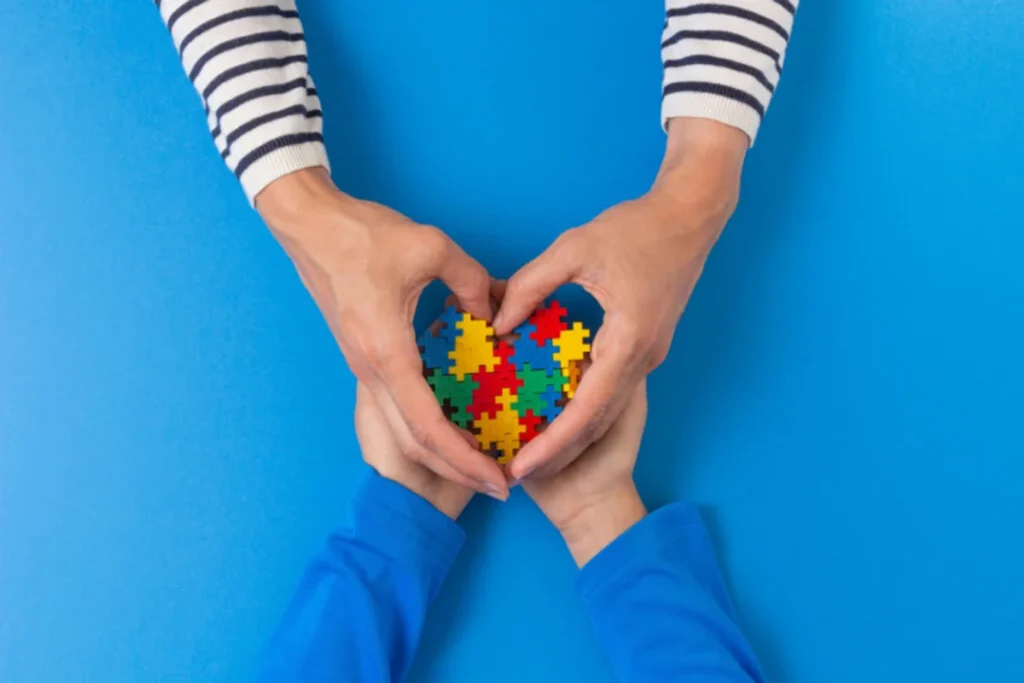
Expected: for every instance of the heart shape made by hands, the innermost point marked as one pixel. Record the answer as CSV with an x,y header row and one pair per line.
x,y
507,390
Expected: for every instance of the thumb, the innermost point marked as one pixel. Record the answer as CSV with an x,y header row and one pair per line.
x,y
469,281
534,282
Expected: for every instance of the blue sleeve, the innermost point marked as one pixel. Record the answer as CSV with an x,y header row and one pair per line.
x,y
660,608
359,608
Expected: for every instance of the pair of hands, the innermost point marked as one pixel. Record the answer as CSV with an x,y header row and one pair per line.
x,y
366,266
591,501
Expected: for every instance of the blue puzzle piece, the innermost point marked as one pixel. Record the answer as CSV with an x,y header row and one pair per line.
x,y
538,357
549,396
435,351
449,331
524,330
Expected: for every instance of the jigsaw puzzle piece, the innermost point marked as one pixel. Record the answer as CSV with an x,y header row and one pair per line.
x,y
490,386
571,345
435,351
529,401
537,357
548,322
551,398
535,381
473,348
574,373
441,382
530,423
449,329
460,398
461,416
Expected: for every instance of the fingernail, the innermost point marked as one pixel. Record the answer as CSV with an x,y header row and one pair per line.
x,y
525,474
496,493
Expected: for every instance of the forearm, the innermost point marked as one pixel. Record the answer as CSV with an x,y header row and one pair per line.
x,y
723,60
358,612
248,63
657,600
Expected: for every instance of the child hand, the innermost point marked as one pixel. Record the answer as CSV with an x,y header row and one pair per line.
x,y
381,452
593,500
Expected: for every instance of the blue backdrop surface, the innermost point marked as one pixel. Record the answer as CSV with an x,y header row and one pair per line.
x,y
844,395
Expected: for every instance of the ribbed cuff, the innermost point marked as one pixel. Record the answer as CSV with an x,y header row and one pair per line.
x,y
709,106
281,162
638,548
403,525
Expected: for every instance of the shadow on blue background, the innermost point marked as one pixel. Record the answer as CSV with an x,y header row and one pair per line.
x,y
843,398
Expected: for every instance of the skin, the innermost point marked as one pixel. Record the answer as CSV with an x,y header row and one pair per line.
x,y
382,452
366,266
591,501
641,260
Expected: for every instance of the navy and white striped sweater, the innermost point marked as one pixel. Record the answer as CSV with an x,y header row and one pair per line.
x,y
247,60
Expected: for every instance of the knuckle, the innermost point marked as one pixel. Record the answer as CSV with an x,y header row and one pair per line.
x,y
594,428
381,362
391,363
411,450
658,354
423,433
434,243
570,240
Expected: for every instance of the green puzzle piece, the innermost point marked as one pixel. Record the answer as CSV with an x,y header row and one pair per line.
x,y
462,417
530,401
441,382
460,397
463,389
536,381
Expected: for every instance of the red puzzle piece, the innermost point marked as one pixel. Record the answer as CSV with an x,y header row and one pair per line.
x,y
531,422
503,351
548,322
491,384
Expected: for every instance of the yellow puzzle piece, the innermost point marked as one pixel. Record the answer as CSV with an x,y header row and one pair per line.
x,y
503,430
473,350
570,345
574,379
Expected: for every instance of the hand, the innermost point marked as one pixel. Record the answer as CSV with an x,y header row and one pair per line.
x,y
366,266
381,452
640,260
593,500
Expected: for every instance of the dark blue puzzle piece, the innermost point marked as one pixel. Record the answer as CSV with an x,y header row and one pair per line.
x,y
549,396
449,331
435,351
524,331
538,357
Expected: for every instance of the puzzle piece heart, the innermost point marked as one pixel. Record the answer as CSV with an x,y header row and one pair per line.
x,y
508,390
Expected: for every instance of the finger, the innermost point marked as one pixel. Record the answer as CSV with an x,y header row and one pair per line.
x,y
534,282
469,281
408,445
498,288
429,427
603,393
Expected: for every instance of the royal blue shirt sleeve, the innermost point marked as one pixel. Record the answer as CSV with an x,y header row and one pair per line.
x,y
659,605
359,609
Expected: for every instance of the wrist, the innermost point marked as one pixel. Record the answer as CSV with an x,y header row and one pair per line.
x,y
700,173
448,498
594,525
300,198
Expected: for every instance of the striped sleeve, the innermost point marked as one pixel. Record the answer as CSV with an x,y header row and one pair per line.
x,y
723,59
247,60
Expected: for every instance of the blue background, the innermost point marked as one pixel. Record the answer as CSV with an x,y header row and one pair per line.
x,y
844,395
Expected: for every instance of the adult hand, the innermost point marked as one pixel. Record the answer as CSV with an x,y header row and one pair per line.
x,y
381,452
593,500
640,260
366,266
